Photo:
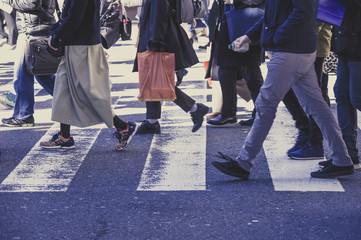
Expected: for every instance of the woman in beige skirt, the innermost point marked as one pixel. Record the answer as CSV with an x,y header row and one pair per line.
x,y
82,86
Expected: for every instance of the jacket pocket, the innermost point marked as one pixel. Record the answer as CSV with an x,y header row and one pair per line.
x,y
268,34
347,43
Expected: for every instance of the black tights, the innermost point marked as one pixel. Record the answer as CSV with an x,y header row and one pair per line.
x,y
118,123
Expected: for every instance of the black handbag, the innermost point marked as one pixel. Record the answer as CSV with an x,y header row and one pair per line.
x,y
111,24
38,60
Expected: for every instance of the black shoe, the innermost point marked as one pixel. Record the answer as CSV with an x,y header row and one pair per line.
x,y
355,161
332,171
148,128
248,122
198,115
180,74
221,120
230,167
14,122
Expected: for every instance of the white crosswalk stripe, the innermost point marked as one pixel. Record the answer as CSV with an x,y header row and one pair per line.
x,y
50,170
175,161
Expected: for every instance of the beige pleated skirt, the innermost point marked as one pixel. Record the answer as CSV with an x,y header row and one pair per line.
x,y
82,88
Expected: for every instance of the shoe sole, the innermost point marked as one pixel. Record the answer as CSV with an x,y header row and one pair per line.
x,y
58,147
226,171
224,123
332,175
307,158
20,125
130,138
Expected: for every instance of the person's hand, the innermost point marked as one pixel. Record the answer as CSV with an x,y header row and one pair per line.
x,y
241,44
228,1
49,43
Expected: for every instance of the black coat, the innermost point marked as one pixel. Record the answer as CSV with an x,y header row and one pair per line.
x,y
160,30
34,17
229,58
80,24
348,36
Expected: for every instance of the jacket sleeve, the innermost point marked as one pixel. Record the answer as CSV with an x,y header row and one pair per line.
x,y
24,5
300,15
254,33
158,24
70,23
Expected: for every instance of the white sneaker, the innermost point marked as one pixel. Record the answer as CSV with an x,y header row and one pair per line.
x,y
7,101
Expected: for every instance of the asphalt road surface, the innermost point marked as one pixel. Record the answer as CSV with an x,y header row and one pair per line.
x,y
163,186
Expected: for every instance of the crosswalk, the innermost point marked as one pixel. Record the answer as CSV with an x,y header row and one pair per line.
x,y
175,162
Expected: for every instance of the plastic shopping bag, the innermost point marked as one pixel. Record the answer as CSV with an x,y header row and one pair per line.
x,y
156,76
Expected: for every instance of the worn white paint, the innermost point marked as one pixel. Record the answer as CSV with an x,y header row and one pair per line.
x,y
177,157
175,161
287,174
50,170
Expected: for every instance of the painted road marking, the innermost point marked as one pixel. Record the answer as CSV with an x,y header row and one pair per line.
x,y
50,170
176,160
292,175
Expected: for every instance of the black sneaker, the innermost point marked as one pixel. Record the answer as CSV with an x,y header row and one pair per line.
x,y
148,128
14,122
355,161
332,171
125,136
198,115
230,167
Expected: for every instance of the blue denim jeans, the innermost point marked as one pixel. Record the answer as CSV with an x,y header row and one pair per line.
x,y
347,91
24,83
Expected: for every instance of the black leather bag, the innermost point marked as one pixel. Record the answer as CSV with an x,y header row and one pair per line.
x,y
112,25
39,61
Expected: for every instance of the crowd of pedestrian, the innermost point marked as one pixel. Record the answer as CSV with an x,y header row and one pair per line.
x,y
286,33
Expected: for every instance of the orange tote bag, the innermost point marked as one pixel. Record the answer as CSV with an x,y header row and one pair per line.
x,y
156,76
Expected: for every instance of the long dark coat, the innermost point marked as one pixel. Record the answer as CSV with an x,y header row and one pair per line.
x,y
228,58
160,30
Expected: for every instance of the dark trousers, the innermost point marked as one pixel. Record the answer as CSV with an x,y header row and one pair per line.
x,y
228,77
253,76
184,101
316,137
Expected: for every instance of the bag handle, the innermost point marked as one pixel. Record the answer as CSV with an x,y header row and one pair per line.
x,y
58,12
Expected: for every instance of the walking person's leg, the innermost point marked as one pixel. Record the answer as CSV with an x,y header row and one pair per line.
x,y
310,97
280,77
24,88
348,98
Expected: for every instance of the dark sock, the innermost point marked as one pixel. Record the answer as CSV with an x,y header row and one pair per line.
x,y
65,130
119,123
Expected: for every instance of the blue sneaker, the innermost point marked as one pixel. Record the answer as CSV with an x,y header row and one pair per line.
x,y
59,141
300,143
307,152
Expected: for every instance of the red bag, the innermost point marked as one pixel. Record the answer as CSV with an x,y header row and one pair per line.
x,y
156,76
